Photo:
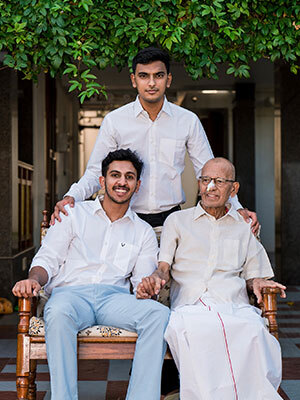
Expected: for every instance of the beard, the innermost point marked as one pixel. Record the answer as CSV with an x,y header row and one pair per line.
x,y
124,201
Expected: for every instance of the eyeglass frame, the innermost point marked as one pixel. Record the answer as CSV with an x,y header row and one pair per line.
x,y
223,181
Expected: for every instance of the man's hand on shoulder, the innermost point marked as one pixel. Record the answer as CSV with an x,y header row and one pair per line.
x,y
60,207
247,215
257,284
26,288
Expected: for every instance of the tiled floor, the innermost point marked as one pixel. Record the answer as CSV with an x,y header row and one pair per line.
x,y
107,380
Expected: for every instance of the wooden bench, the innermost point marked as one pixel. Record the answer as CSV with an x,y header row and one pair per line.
x,y
32,347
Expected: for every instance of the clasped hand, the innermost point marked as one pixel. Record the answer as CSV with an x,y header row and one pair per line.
x,y
150,286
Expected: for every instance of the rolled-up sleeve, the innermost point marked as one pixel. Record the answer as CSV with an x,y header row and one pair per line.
x,y
198,147
53,251
257,264
146,262
168,241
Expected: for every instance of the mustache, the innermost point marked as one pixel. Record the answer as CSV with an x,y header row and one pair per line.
x,y
121,187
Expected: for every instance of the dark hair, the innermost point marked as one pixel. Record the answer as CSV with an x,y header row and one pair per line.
x,y
146,56
123,155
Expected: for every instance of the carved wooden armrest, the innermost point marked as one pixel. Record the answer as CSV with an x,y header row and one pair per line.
x,y
27,308
269,308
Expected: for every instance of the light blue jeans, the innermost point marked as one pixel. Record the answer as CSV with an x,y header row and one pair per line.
x,y
73,308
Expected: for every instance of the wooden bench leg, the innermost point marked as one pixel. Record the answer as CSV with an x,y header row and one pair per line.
x,y
32,377
22,387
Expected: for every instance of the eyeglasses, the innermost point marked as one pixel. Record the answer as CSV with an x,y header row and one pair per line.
x,y
219,182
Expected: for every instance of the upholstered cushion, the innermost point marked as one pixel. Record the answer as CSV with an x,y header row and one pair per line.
x,y
37,328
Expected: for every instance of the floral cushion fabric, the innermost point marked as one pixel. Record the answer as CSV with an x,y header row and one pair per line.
x,y
37,328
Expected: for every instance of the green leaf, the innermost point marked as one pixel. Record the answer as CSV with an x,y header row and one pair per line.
x,y
230,70
57,60
62,40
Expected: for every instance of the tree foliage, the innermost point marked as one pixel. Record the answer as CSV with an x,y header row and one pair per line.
x,y
73,36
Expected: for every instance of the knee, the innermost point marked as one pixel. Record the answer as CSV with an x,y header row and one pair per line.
x,y
157,315
57,314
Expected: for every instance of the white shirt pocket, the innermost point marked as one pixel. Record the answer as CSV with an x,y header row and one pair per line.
x,y
167,151
125,256
171,151
230,259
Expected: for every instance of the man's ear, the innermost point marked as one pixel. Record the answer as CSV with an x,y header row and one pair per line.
x,y
132,77
169,79
102,181
138,184
234,189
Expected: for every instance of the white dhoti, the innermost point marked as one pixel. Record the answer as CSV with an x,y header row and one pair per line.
x,y
224,352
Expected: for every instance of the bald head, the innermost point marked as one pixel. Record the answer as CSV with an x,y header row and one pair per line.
x,y
221,164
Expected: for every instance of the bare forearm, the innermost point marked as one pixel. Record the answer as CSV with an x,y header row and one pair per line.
x,y
249,284
30,287
163,271
39,274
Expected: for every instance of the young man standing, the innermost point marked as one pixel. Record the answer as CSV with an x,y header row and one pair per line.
x,y
86,263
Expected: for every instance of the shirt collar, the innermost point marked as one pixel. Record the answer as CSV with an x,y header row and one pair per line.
x,y
137,107
199,211
97,207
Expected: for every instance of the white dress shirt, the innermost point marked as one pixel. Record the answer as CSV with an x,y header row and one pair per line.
x,y
87,248
161,144
212,257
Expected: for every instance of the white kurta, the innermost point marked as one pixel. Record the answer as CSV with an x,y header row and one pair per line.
x,y
218,341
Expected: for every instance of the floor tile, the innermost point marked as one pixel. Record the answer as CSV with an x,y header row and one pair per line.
x,y
93,370
291,388
291,369
119,370
116,389
289,348
8,348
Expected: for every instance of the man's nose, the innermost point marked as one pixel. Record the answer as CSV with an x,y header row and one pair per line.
x,y
211,186
151,81
122,180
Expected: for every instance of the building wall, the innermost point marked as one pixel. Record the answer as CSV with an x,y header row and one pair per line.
x,y
67,140
264,167
39,151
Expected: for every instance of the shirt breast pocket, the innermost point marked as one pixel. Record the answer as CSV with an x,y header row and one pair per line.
x,y
125,256
230,259
170,150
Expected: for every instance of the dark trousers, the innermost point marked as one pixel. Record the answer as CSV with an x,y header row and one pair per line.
x,y
159,218
170,377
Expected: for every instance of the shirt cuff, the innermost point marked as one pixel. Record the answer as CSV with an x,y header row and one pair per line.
x,y
165,258
257,274
74,194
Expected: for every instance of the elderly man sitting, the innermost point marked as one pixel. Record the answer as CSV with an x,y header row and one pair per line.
x,y
218,340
